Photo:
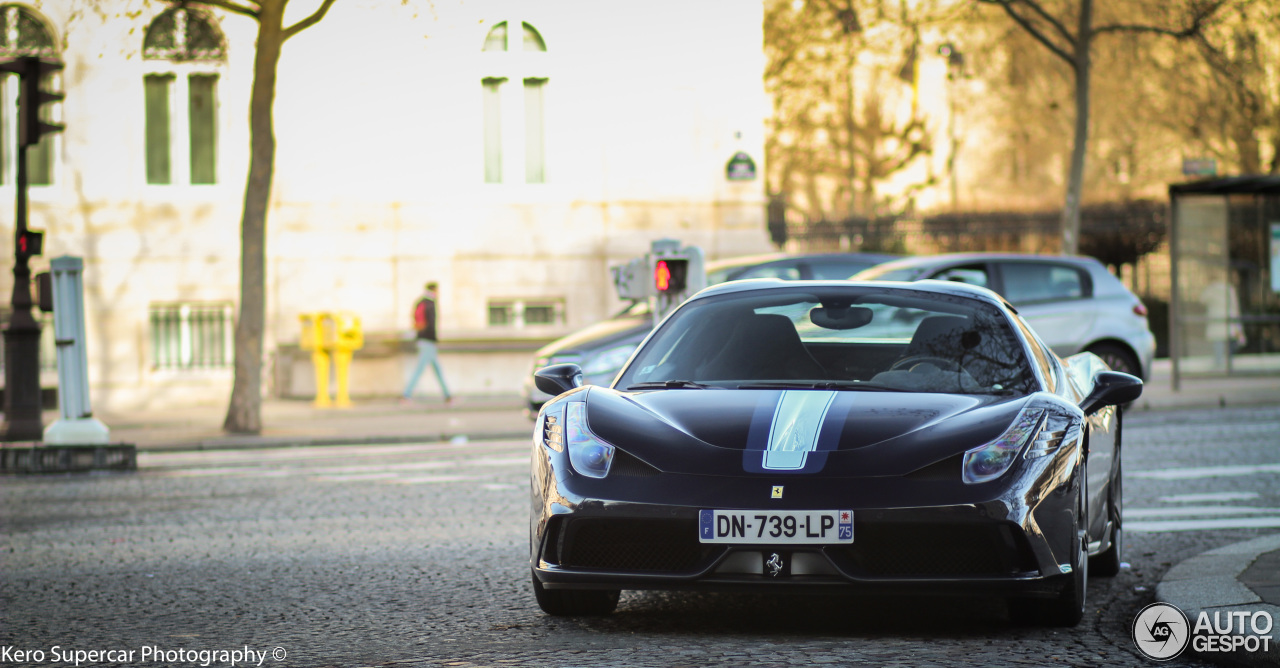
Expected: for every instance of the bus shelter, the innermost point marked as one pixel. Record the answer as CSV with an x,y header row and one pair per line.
x,y
1225,270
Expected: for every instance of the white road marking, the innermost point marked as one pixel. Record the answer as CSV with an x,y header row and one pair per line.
x,y
1202,525
1212,496
302,453
1206,472
500,461
1196,511
388,464
354,477
428,479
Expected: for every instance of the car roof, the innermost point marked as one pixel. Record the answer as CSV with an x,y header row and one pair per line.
x,y
937,287
948,258
770,258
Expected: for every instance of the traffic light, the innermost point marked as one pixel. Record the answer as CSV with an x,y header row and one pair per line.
x,y
670,275
631,280
32,97
30,243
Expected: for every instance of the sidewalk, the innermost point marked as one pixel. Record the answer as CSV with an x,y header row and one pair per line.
x,y
1206,391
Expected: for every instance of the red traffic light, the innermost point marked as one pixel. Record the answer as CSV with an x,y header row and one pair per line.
x,y
30,242
662,276
669,275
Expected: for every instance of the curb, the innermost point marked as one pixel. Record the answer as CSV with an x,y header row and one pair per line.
x,y
1210,582
252,442
37,458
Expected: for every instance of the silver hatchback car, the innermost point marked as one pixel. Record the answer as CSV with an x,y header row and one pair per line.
x,y
1072,302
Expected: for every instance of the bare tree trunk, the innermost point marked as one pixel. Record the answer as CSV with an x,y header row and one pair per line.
x,y
850,132
244,414
1248,148
1075,178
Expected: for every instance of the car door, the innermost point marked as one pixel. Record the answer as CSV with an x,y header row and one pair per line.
x,y
1054,297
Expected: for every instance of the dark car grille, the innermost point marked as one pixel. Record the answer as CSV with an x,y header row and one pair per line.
x,y
627,465
934,550
627,544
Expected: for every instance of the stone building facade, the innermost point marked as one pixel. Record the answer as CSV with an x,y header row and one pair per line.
x,y
511,151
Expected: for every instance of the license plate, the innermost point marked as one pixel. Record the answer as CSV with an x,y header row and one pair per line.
x,y
802,527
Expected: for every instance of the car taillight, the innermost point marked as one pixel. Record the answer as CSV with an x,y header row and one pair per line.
x,y
1139,309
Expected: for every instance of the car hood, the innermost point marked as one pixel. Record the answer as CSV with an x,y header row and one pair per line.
x,y
840,432
599,335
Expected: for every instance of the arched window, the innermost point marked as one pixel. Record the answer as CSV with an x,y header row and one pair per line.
x,y
185,53
23,32
506,136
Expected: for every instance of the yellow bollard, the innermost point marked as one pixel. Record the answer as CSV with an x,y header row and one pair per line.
x,y
349,337
313,339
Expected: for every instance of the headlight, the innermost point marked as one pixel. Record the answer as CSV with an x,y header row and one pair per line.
x,y
589,455
990,461
608,360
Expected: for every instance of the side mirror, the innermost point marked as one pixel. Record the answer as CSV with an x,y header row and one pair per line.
x,y
558,378
1111,388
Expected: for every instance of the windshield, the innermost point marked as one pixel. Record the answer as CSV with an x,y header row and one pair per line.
x,y
835,337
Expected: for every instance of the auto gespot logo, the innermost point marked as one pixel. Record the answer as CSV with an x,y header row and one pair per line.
x,y
1162,631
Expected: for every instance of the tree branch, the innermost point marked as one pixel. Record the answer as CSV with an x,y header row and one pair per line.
x,y
309,21
1034,31
1197,23
1051,20
251,12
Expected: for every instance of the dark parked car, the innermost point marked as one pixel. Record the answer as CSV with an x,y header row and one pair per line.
x,y
802,435
602,348
1074,303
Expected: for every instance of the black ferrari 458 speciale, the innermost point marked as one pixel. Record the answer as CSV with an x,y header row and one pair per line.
x,y
832,436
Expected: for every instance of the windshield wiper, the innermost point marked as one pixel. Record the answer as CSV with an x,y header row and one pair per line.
x,y
857,385
824,385
668,385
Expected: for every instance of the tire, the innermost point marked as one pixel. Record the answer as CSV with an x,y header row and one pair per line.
x,y
1067,608
575,602
1107,564
1117,357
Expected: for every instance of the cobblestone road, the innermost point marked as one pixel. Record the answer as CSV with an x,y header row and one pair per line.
x,y
416,555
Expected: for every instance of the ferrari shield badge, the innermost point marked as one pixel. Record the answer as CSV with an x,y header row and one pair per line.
x,y
774,564
777,492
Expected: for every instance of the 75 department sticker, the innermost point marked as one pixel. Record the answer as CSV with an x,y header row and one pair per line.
x,y
1161,631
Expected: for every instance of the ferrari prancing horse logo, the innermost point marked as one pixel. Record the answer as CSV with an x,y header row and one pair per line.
x,y
777,492
775,564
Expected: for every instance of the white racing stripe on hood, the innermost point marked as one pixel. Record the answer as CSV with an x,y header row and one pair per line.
x,y
794,432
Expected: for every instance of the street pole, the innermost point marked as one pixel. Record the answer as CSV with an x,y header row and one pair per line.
x,y
22,419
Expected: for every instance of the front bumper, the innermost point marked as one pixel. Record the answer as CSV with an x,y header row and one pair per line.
x,y
934,550
1015,541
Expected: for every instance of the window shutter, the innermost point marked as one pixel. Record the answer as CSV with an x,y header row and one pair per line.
x,y
157,93
204,128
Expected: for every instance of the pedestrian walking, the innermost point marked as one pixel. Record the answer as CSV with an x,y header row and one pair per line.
x,y
424,321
